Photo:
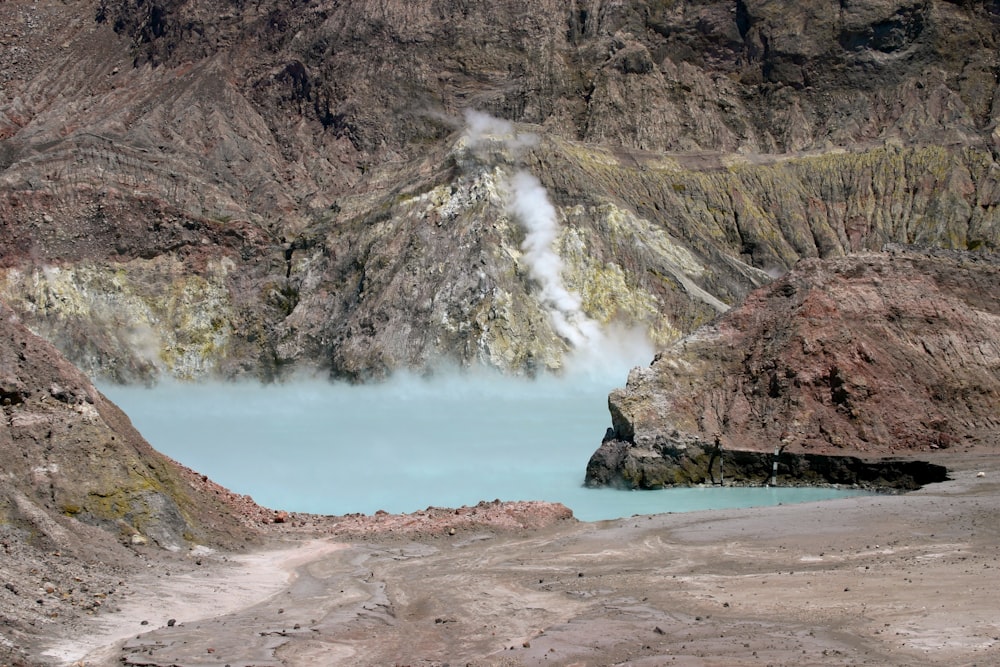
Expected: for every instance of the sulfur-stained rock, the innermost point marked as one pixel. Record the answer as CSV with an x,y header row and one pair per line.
x,y
271,187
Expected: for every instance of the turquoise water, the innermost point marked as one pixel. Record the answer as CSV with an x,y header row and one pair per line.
x,y
404,445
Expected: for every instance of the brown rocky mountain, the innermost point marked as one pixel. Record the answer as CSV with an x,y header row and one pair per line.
x,y
869,355
84,498
235,188
69,453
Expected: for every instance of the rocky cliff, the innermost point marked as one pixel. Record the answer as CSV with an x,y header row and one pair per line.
x,y
865,356
70,458
196,188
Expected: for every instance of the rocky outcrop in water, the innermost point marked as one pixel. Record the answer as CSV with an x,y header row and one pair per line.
x,y
189,188
868,356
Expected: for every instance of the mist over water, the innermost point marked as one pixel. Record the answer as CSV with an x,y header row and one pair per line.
x,y
456,439
453,440
406,444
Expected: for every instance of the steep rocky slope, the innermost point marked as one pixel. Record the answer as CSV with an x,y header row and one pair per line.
x,y
70,456
191,188
868,355
83,498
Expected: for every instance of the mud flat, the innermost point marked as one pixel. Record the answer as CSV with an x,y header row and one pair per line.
x,y
882,580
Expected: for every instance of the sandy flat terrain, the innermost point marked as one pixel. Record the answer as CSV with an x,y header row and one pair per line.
x,y
882,580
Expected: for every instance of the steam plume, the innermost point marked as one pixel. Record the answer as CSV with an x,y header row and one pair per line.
x,y
528,201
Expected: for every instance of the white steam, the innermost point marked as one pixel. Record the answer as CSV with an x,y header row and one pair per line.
x,y
775,272
529,202
594,348
480,126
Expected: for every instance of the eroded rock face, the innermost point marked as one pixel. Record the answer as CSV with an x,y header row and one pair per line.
x,y
70,458
757,75
864,356
194,188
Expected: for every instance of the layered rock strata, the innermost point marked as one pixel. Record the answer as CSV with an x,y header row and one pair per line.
x,y
195,189
868,356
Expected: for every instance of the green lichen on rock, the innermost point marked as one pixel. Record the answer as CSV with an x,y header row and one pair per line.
x,y
72,457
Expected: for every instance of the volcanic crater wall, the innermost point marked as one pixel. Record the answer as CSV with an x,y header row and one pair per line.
x,y
194,188
69,458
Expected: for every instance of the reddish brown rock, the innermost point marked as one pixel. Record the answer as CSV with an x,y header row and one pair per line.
x,y
491,515
85,502
865,356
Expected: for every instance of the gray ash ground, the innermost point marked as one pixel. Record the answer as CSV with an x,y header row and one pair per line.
x,y
882,580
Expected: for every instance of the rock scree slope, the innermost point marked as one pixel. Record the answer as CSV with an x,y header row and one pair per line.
x,y
84,500
71,456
